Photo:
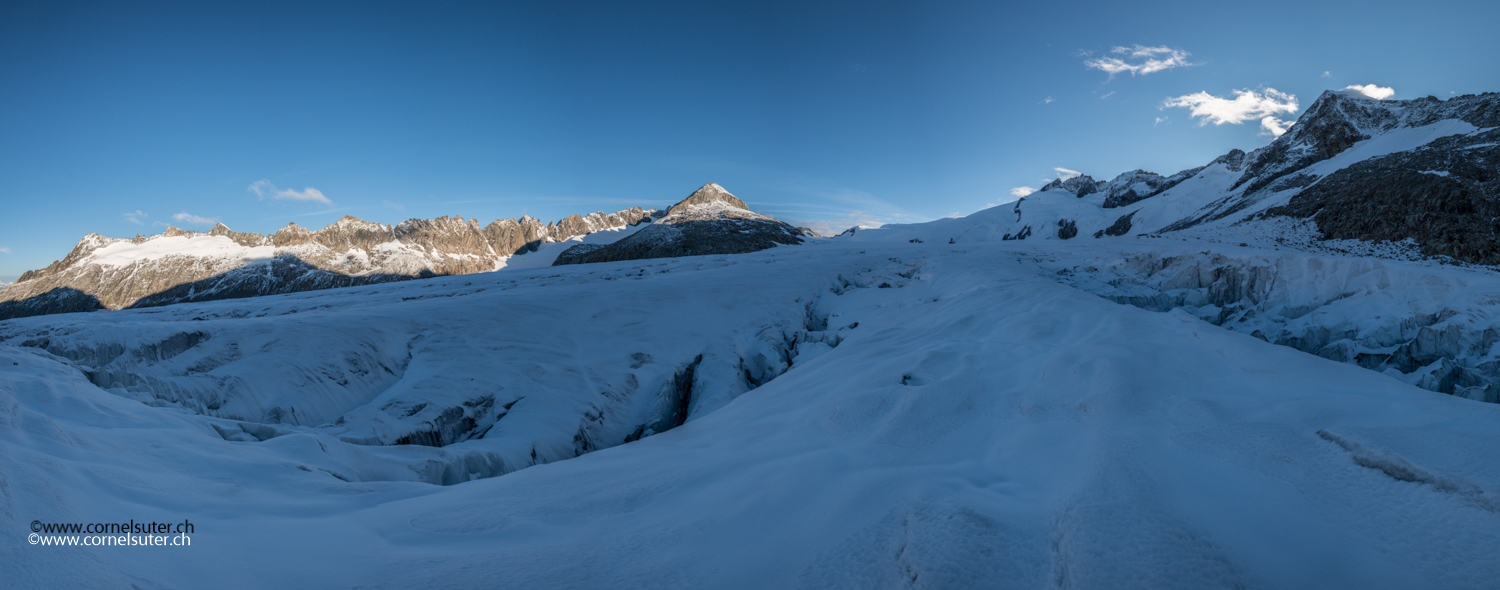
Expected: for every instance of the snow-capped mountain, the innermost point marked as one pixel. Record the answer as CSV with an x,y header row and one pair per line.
x,y
179,265
709,221
1426,170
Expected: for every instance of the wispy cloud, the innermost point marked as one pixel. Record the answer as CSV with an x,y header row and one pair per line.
x,y
1021,191
1048,101
1326,74
1369,91
1139,59
264,189
1247,105
1274,127
135,217
1107,95
1162,119
190,219
5,251
1064,173
390,205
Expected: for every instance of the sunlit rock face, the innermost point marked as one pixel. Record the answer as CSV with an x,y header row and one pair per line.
x,y
180,265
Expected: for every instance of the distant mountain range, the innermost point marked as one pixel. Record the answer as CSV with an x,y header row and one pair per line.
x,y
179,265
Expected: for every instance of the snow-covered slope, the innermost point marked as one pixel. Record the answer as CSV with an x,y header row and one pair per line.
x,y
924,415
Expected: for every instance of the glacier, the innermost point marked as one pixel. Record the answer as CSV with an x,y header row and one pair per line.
x,y
860,412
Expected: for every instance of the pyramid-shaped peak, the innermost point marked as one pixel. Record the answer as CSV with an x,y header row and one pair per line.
x,y
706,195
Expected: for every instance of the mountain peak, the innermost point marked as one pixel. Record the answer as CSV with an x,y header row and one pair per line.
x,y
1080,185
708,194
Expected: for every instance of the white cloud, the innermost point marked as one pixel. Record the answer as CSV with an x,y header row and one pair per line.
x,y
1162,119
1107,95
264,189
1048,101
1140,60
1274,127
1064,173
1021,191
191,219
1369,91
135,217
1326,74
5,250
1246,105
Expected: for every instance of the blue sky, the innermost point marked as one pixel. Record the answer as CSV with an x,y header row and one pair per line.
x,y
120,118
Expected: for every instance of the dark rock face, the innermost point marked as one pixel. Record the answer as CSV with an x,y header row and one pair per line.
x,y
1132,187
1067,229
1234,161
1081,186
59,300
575,254
1020,235
1446,196
283,274
710,221
1120,227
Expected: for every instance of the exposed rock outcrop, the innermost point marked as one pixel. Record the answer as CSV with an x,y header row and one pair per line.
x,y
1081,185
1445,195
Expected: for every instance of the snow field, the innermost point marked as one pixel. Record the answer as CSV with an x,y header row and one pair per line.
x,y
983,425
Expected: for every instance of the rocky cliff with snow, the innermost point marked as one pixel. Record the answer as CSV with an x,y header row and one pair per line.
x,y
1351,167
709,221
179,265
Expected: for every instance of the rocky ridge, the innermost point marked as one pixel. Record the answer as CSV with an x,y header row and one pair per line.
x,y
1424,170
181,265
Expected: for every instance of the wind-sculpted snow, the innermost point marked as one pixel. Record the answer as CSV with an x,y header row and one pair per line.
x,y
857,413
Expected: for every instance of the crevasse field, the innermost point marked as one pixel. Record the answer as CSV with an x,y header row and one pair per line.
x,y
860,412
